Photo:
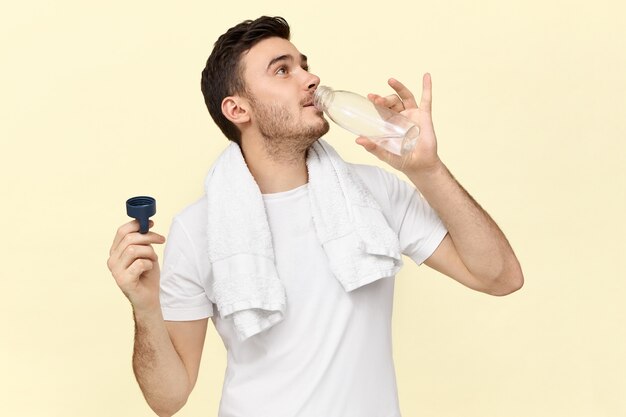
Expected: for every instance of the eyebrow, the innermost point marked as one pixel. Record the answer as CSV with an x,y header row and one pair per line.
x,y
287,57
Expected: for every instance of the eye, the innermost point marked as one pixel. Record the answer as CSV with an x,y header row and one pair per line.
x,y
281,70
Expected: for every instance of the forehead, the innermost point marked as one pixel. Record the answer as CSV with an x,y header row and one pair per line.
x,y
261,54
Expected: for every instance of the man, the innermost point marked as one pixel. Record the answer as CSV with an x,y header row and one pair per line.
x,y
324,348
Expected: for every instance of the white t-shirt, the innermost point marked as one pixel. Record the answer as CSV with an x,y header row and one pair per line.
x,y
331,356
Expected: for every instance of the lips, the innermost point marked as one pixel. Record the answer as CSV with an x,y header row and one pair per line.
x,y
308,102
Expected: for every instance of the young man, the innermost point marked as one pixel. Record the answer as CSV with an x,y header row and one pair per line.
x,y
292,251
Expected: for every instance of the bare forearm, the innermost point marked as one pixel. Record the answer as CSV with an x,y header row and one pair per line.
x,y
158,368
479,241
476,252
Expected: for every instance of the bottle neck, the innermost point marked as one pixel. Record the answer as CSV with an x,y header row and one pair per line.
x,y
323,97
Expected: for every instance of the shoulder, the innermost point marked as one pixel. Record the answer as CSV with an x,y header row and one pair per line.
x,y
367,171
186,245
189,226
373,177
385,186
194,212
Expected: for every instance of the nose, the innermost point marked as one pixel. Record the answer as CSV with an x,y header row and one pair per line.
x,y
312,81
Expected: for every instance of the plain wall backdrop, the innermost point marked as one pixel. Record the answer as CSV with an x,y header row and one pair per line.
x,y
101,101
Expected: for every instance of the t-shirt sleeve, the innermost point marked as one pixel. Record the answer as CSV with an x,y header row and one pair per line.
x,y
419,228
183,295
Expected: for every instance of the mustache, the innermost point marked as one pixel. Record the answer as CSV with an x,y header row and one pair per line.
x,y
307,101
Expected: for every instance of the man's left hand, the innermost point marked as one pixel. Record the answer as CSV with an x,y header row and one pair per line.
x,y
423,157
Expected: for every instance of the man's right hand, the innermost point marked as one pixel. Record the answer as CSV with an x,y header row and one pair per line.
x,y
134,265
165,376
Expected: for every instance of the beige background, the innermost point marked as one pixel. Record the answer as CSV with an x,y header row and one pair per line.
x,y
101,101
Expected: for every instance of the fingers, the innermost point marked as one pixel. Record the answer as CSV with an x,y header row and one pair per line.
x,y
133,257
133,240
126,228
366,143
404,93
132,227
139,266
134,252
378,151
404,98
427,93
392,102
128,279
130,246
128,252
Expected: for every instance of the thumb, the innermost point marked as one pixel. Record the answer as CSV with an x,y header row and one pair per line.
x,y
378,151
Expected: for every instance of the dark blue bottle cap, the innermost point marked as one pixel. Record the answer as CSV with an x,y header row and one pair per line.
x,y
141,208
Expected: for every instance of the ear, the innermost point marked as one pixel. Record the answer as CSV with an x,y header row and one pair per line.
x,y
235,109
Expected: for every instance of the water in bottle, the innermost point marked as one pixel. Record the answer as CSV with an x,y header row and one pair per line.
x,y
357,114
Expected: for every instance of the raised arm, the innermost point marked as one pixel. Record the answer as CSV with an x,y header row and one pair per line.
x,y
475,252
166,355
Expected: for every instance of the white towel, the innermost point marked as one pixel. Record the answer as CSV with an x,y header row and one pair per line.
x,y
360,245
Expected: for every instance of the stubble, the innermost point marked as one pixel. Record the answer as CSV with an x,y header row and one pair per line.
x,y
285,138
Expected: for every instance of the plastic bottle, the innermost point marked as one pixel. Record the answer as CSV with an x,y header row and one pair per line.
x,y
355,113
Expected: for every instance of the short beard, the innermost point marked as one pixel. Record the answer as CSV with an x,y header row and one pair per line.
x,y
284,139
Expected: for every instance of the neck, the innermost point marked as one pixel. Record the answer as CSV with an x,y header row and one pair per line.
x,y
275,172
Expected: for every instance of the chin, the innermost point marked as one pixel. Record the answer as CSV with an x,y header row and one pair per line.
x,y
322,127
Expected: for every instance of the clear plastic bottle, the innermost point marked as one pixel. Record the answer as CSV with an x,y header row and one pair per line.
x,y
355,113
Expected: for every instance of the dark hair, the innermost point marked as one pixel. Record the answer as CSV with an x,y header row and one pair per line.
x,y
223,75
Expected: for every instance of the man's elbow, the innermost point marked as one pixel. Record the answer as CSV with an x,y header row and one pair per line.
x,y
168,408
509,281
166,403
